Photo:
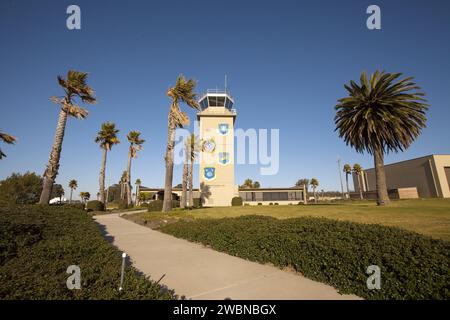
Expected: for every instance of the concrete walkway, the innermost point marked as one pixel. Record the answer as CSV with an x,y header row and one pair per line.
x,y
202,273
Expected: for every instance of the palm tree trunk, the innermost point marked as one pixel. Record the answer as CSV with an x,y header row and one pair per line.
x,y
167,204
191,183
136,200
183,203
53,163
128,185
346,181
71,191
360,185
102,176
380,176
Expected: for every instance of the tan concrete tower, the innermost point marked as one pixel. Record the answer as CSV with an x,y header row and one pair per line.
x,y
216,119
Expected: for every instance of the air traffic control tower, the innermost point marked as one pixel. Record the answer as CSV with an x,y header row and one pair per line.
x,y
216,160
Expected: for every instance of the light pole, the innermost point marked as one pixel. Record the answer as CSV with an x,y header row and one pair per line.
x,y
340,176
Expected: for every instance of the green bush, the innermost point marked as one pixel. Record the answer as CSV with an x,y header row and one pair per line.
x,y
76,205
175,203
338,253
197,203
260,204
95,205
236,201
155,205
38,243
122,204
276,203
271,204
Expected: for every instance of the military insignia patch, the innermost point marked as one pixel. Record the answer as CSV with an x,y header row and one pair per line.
x,y
223,128
209,173
224,158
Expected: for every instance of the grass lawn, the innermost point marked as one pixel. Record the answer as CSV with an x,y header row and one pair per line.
x,y
426,216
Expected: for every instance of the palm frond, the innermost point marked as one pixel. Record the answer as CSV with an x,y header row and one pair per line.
x,y
381,113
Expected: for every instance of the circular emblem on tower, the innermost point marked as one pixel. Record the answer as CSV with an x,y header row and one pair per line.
x,y
209,173
209,145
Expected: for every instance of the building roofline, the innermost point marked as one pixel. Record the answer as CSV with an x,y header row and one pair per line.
x,y
417,158
272,189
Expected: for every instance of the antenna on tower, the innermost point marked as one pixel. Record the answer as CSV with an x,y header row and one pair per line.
x,y
225,83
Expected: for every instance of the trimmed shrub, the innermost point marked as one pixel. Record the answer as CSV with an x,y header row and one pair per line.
x,y
236,202
76,205
95,205
122,204
276,203
271,204
155,205
198,203
175,204
338,253
38,243
260,204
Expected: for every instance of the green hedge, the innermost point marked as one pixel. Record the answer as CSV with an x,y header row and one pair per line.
x,y
75,205
334,252
38,243
155,205
236,201
95,205
197,203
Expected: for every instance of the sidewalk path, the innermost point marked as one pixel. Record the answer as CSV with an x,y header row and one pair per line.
x,y
202,273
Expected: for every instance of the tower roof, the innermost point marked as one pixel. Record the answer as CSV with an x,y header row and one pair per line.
x,y
216,98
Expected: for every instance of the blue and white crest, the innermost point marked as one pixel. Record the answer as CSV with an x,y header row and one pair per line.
x,y
209,173
224,158
223,128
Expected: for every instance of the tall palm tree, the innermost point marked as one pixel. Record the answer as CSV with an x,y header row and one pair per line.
x,y
6,138
194,148
74,86
85,196
182,91
106,138
347,170
357,169
380,115
314,184
73,184
138,187
122,183
134,137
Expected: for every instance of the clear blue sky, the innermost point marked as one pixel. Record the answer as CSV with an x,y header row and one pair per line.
x,y
286,61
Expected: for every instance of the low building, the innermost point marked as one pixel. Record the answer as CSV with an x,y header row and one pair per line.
x,y
430,175
265,196
253,196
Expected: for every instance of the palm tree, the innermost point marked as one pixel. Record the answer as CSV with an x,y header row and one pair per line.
x,y
379,116
193,147
138,187
303,183
85,196
6,138
347,170
106,138
256,185
314,184
122,183
182,91
74,86
357,169
135,144
73,184
248,184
